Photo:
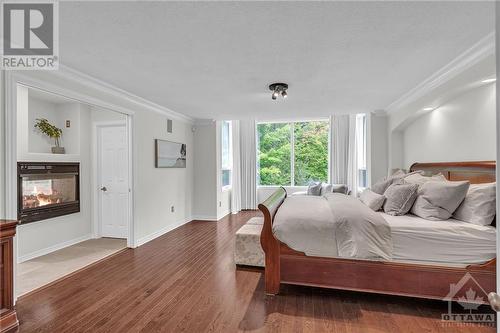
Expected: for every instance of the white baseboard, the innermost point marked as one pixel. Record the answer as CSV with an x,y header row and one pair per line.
x,y
52,248
156,234
205,218
223,214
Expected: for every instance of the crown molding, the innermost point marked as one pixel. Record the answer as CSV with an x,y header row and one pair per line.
x,y
109,89
478,52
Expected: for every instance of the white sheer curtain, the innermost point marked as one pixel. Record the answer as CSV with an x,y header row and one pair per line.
x,y
236,168
352,164
343,158
248,164
339,148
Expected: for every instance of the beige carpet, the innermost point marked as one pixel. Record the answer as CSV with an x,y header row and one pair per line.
x,y
35,273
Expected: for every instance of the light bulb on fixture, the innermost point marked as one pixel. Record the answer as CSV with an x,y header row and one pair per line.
x,y
489,80
278,89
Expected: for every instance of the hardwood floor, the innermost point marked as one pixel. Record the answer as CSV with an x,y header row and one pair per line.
x,y
186,281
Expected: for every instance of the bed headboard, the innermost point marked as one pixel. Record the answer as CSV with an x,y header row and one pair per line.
x,y
475,172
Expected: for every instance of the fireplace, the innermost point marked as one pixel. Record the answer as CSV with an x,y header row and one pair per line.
x,y
47,190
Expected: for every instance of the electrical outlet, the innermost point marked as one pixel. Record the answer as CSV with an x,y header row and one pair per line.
x,y
172,209
220,203
68,123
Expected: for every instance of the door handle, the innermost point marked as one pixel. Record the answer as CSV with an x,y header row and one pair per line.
x,y
104,189
494,300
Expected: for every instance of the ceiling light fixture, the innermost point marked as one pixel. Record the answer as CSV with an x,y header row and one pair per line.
x,y
489,80
278,89
428,109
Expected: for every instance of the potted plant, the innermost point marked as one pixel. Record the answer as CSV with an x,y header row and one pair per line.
x,y
52,132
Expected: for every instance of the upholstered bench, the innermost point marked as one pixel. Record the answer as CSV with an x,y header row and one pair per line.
x,y
247,250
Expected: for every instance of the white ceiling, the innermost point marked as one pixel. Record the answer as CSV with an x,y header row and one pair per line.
x,y
215,59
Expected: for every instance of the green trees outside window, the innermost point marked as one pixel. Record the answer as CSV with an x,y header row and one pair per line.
x,y
310,152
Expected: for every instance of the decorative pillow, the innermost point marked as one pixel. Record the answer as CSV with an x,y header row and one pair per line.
x,y
382,185
419,179
399,197
325,188
438,200
314,189
478,206
372,199
339,188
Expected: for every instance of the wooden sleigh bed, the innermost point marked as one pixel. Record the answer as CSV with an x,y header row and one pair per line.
x,y
287,266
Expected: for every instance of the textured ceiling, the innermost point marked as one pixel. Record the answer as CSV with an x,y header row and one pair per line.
x,y
216,59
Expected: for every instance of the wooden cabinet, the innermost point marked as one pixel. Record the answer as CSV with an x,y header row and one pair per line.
x,y
8,316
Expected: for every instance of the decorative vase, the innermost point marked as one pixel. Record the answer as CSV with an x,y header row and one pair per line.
x,y
58,150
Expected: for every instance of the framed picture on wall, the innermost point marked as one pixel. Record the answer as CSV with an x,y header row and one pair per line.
x,y
170,154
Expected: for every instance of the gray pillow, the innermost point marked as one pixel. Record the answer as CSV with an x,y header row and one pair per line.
x,y
382,185
399,197
326,188
438,200
478,206
314,189
372,199
339,188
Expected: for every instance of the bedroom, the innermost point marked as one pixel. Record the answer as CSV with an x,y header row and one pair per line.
x,y
348,147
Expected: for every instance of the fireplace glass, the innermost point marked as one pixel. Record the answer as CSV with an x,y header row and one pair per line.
x,y
43,190
47,190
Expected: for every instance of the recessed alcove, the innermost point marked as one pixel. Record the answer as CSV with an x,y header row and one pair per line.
x,y
59,111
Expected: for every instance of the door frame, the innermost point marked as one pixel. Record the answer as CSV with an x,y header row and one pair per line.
x,y
96,175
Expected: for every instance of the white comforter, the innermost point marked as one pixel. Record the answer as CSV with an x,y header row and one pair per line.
x,y
334,225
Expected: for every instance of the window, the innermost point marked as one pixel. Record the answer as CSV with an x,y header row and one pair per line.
x,y
226,153
298,146
361,150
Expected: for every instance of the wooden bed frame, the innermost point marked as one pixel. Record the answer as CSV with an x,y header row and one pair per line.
x,y
284,265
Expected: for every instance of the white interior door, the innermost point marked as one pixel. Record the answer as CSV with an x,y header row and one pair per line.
x,y
113,180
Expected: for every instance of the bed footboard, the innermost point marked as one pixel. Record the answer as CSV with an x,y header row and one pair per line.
x,y
270,244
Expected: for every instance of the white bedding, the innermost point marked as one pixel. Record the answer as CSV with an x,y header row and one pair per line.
x,y
440,242
414,239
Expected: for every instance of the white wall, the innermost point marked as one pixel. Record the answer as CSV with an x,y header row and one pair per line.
x,y
41,237
156,190
56,114
210,201
205,170
462,129
378,147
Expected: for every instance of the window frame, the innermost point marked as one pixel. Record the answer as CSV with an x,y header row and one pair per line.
x,y
364,146
230,152
291,123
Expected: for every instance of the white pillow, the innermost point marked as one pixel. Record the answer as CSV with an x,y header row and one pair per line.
x,y
479,205
372,199
417,178
438,200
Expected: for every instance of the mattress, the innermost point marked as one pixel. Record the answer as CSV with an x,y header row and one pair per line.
x,y
451,242
415,240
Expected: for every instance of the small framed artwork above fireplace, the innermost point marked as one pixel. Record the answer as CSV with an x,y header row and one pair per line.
x,y
47,190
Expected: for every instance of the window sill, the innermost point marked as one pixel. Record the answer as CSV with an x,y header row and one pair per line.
x,y
226,188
